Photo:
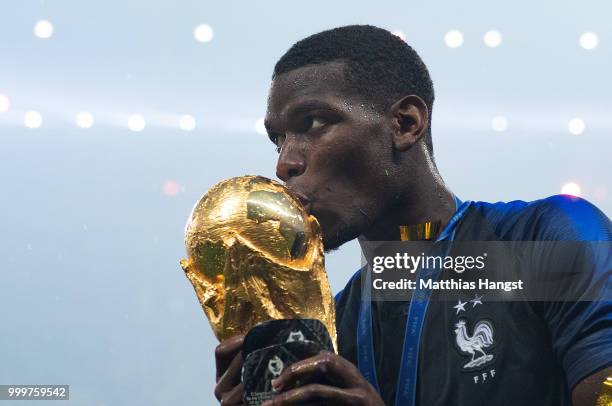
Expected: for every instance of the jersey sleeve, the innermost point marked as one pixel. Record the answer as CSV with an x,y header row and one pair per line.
x,y
347,309
580,321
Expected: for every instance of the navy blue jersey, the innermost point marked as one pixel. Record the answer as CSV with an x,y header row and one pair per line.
x,y
536,351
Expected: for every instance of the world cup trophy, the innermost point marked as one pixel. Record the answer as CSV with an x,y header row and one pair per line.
x,y
255,259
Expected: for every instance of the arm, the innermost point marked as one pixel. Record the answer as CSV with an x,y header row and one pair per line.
x,y
580,321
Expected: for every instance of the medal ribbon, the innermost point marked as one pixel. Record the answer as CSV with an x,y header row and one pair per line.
x,y
406,384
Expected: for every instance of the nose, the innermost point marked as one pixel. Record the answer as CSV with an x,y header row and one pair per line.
x,y
289,167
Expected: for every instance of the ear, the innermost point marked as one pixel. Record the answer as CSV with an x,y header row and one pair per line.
x,y
410,121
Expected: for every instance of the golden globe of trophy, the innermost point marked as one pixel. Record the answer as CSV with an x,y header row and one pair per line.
x,y
254,254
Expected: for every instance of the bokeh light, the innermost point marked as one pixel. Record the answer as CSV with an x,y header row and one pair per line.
x,y
33,119
171,188
43,29
453,39
499,123
203,33
187,122
572,189
136,122
589,40
260,127
576,126
84,119
399,34
5,103
492,39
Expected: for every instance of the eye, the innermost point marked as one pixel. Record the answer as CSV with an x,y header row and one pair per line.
x,y
312,123
317,122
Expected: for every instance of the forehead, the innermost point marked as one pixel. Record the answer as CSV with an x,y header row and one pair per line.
x,y
325,81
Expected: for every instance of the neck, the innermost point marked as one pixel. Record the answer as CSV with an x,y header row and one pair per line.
x,y
428,199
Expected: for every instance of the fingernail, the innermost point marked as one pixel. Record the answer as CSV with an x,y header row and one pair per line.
x,y
276,384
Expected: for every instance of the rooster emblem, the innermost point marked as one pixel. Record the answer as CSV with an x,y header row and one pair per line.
x,y
482,338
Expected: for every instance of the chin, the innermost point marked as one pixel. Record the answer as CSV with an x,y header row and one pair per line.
x,y
338,234
331,245
338,226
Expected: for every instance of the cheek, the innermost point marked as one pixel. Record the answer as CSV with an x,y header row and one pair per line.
x,y
351,166
350,157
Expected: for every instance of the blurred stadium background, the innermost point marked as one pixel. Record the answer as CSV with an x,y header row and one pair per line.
x,y
116,116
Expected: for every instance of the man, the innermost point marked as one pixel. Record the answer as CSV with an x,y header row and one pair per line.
x,y
349,110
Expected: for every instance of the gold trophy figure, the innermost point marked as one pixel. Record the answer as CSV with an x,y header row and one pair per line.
x,y
254,254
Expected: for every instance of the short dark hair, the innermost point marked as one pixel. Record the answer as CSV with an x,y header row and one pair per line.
x,y
381,66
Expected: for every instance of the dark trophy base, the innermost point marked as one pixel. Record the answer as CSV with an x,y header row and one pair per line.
x,y
272,346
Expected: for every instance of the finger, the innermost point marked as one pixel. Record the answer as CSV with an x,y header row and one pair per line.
x,y
230,378
316,393
225,353
336,370
233,397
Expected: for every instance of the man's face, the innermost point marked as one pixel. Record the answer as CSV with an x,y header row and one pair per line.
x,y
335,151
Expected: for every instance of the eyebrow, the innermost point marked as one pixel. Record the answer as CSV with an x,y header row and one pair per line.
x,y
309,105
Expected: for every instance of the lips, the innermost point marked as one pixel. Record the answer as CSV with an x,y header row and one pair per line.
x,y
305,200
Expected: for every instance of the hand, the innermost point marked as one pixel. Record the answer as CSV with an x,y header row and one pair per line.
x,y
347,385
228,358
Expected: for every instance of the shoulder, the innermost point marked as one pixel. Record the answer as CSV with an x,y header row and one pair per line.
x,y
558,217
